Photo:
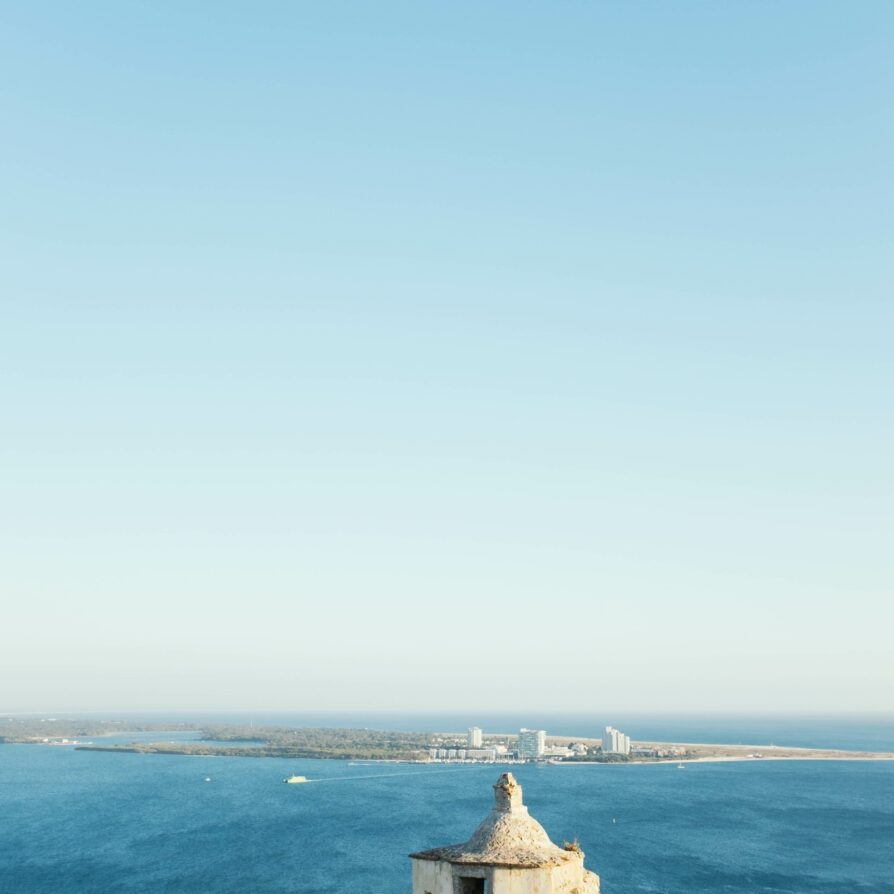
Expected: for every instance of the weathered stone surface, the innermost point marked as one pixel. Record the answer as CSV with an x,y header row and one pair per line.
x,y
510,850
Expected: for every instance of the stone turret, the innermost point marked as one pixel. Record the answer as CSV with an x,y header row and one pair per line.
x,y
510,853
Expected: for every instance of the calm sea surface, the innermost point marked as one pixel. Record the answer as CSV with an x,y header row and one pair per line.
x,y
77,821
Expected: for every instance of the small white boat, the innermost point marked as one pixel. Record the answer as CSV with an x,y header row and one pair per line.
x,y
293,780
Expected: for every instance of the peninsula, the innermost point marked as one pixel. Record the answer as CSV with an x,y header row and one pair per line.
x,y
240,740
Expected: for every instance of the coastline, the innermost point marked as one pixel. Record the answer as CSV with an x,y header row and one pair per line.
x,y
388,746
713,754
843,756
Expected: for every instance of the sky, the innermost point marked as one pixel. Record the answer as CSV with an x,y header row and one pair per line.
x,y
399,356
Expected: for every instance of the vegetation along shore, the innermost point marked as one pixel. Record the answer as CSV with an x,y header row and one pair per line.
x,y
240,740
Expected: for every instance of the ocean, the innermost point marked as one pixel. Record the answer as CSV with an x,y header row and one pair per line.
x,y
75,821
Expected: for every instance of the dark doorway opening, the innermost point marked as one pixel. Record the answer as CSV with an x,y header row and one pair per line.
x,y
472,886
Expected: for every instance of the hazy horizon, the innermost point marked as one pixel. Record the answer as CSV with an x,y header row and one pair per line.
x,y
446,357
498,712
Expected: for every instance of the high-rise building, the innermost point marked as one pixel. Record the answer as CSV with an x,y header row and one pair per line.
x,y
475,737
615,742
609,740
531,743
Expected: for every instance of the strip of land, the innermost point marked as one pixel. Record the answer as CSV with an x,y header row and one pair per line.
x,y
700,751
691,752
237,740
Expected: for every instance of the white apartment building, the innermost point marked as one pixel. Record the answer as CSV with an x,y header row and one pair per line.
x,y
531,743
615,742
475,737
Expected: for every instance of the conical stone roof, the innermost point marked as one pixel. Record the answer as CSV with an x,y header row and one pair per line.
x,y
508,836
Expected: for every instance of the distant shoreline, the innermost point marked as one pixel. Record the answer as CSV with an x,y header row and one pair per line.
x,y
754,753
720,752
839,756
387,746
708,752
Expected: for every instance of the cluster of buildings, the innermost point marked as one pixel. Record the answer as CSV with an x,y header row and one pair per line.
x,y
530,745
474,750
670,751
468,754
615,742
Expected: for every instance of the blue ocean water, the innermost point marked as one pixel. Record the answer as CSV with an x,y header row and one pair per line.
x,y
78,821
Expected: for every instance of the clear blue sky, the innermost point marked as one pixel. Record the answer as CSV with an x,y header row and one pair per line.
x,y
446,355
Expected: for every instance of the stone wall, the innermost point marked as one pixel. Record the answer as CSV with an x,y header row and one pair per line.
x,y
437,877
